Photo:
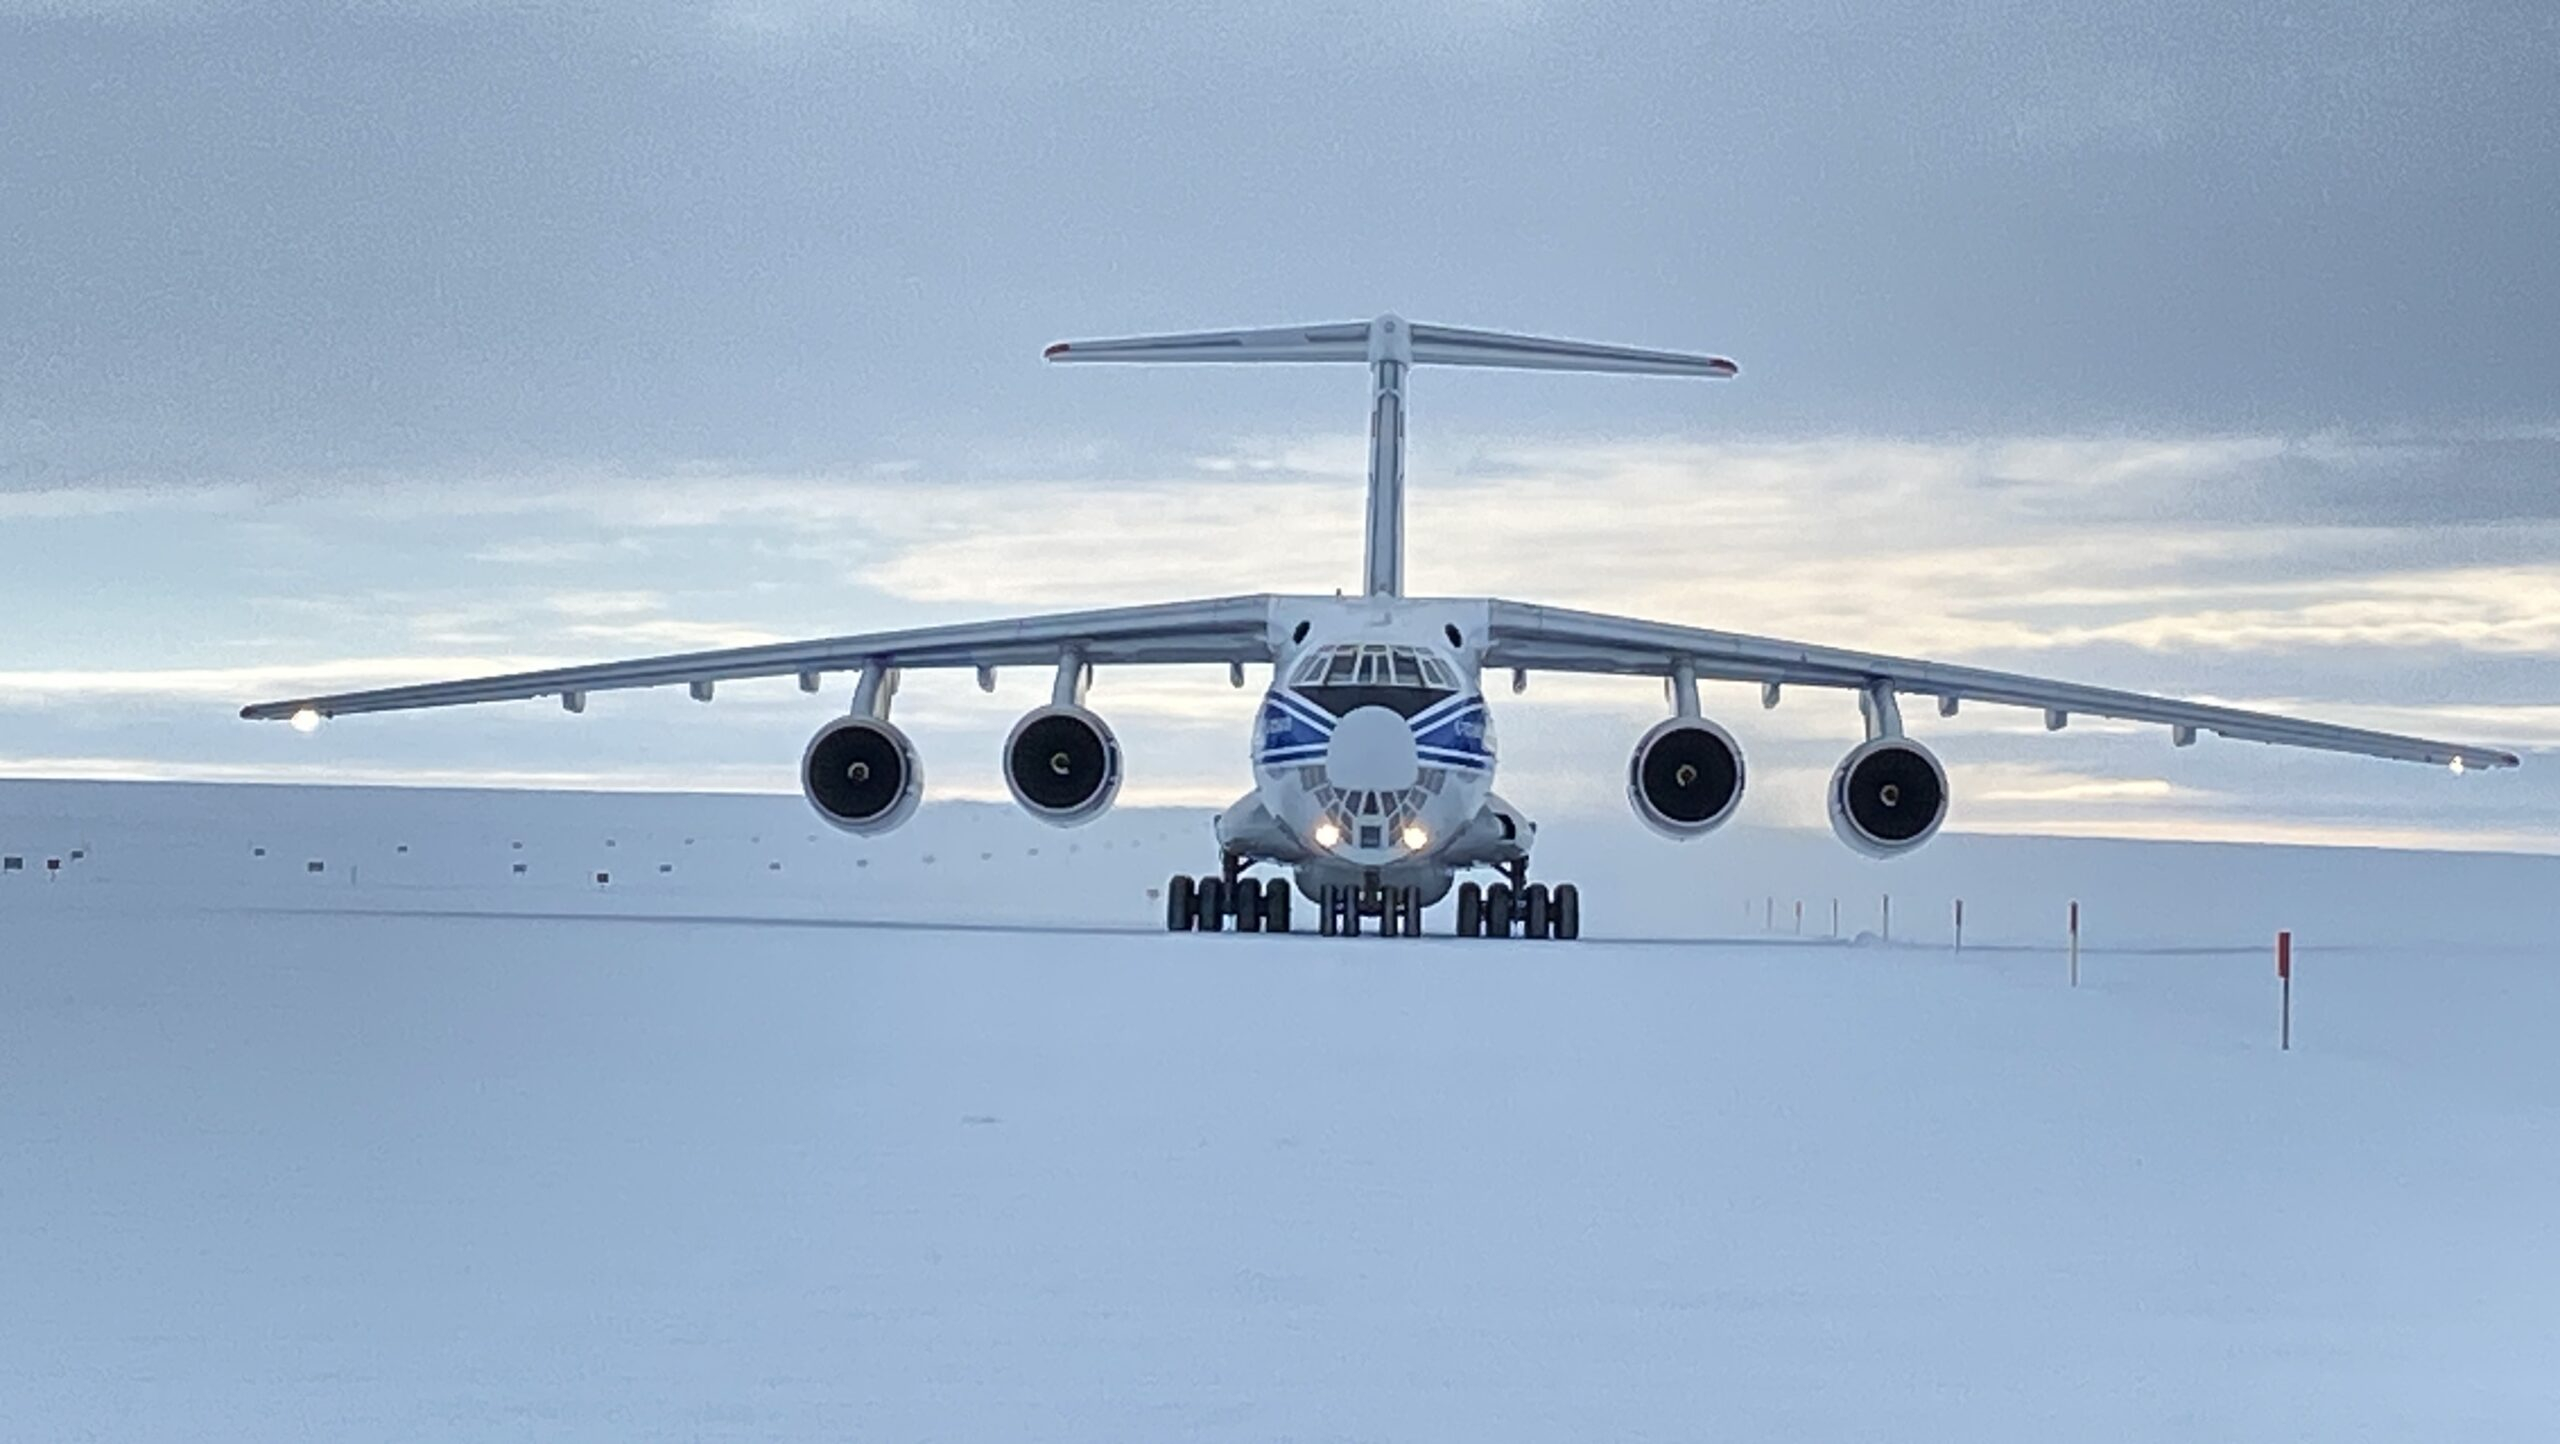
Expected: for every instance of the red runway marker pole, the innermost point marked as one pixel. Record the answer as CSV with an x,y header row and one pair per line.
x,y
2284,977
1959,924
1888,917
2075,944
1799,917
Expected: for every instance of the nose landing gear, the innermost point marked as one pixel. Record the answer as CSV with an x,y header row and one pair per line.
x,y
1397,909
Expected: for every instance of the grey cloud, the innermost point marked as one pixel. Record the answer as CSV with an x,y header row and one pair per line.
x,y
307,236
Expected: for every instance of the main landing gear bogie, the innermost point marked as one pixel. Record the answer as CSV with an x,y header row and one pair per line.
x,y
1534,909
1206,904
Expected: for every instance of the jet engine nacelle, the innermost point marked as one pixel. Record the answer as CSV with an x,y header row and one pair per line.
x,y
1888,796
861,774
1685,778
1062,763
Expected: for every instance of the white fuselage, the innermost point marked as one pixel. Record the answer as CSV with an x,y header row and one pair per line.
x,y
1373,749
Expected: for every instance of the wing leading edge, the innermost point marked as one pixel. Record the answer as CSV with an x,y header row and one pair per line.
x,y
1559,640
1228,629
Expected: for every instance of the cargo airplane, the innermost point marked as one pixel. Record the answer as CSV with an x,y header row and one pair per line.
x,y
1373,750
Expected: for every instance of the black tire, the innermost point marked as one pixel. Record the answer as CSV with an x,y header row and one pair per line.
x,y
1213,904
1567,915
1470,910
1535,915
1275,907
1413,913
1348,899
1249,905
1328,913
1390,912
1181,906
1497,911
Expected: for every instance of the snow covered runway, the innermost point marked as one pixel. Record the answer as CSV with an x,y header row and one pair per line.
x,y
282,1174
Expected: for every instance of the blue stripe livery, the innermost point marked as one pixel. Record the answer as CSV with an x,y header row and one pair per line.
x,y
1456,729
1449,734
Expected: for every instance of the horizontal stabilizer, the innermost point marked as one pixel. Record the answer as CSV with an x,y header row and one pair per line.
x,y
1451,346
1344,341
1389,339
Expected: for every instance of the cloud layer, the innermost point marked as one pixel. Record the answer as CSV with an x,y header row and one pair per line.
x,y
2049,554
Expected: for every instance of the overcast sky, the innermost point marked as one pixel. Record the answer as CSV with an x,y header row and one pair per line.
x,y
2182,346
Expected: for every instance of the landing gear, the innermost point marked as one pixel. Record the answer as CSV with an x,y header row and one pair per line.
x,y
1516,907
1397,909
1537,910
1404,907
1204,904
1341,912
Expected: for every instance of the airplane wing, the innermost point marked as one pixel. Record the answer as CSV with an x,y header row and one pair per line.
x,y
1553,639
1228,629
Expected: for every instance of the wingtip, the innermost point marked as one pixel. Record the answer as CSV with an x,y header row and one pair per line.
x,y
1053,351
1723,368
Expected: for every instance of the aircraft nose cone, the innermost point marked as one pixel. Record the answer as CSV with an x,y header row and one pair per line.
x,y
1372,751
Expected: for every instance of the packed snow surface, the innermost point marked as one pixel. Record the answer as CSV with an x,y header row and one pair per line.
x,y
750,1142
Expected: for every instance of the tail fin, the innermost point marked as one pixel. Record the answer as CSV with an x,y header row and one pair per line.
x,y
1390,346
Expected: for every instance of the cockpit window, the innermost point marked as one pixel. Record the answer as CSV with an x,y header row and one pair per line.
x,y
1343,678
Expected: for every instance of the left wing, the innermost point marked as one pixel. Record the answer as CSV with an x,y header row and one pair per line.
x,y
1229,629
1553,639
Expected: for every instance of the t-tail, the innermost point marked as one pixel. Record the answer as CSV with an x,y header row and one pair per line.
x,y
1391,347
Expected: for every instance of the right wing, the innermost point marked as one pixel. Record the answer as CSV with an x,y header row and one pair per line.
x,y
1557,639
1229,629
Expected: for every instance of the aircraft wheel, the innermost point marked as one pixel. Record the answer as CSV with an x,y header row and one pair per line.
x,y
1535,912
1413,912
1213,904
1566,912
1348,900
1181,905
1275,907
1249,905
1328,914
1470,910
1497,911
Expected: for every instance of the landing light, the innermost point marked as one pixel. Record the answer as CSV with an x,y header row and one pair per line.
x,y
1328,834
306,720
2457,767
1415,839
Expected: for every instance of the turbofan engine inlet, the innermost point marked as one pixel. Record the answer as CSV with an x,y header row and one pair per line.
x,y
861,774
1888,796
1062,764
1685,778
